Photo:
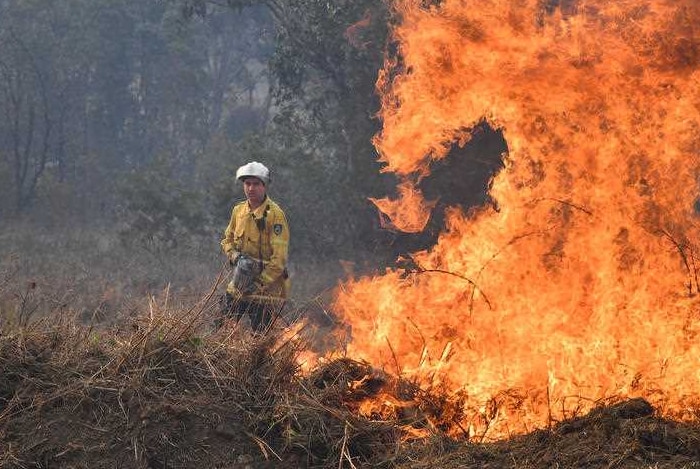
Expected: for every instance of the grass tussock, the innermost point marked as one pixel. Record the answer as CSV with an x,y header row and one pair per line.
x,y
166,390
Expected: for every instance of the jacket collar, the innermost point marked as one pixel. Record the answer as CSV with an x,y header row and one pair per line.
x,y
258,212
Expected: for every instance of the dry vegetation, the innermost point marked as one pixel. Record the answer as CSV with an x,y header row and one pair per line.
x,y
155,386
167,391
106,279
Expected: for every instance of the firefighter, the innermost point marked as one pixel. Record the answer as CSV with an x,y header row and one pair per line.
x,y
256,242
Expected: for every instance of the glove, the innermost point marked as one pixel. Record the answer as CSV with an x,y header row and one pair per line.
x,y
232,256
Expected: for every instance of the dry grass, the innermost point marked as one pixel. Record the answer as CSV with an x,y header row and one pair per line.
x,y
104,279
165,390
622,435
153,385
91,271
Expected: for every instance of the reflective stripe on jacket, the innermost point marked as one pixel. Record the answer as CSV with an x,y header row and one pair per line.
x,y
271,244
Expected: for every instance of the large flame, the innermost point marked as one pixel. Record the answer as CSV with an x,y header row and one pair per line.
x,y
582,282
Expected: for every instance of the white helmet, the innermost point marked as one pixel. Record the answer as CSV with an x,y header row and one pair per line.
x,y
254,169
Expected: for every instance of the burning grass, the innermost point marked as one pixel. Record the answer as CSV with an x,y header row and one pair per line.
x,y
159,388
166,391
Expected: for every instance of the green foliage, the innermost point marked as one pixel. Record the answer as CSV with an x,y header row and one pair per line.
x,y
26,127
160,211
151,115
112,83
326,62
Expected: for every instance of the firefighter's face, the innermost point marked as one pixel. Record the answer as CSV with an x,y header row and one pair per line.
x,y
254,190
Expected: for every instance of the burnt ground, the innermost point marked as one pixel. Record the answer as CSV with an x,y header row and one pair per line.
x,y
165,393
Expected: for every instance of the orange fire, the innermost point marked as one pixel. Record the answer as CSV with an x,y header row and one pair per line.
x,y
583,283
409,213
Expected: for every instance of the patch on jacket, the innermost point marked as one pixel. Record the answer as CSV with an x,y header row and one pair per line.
x,y
277,229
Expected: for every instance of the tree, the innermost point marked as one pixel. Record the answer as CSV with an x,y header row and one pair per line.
x,y
326,61
90,90
27,122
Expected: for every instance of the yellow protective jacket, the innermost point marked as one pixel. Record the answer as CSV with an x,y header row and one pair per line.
x,y
270,244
